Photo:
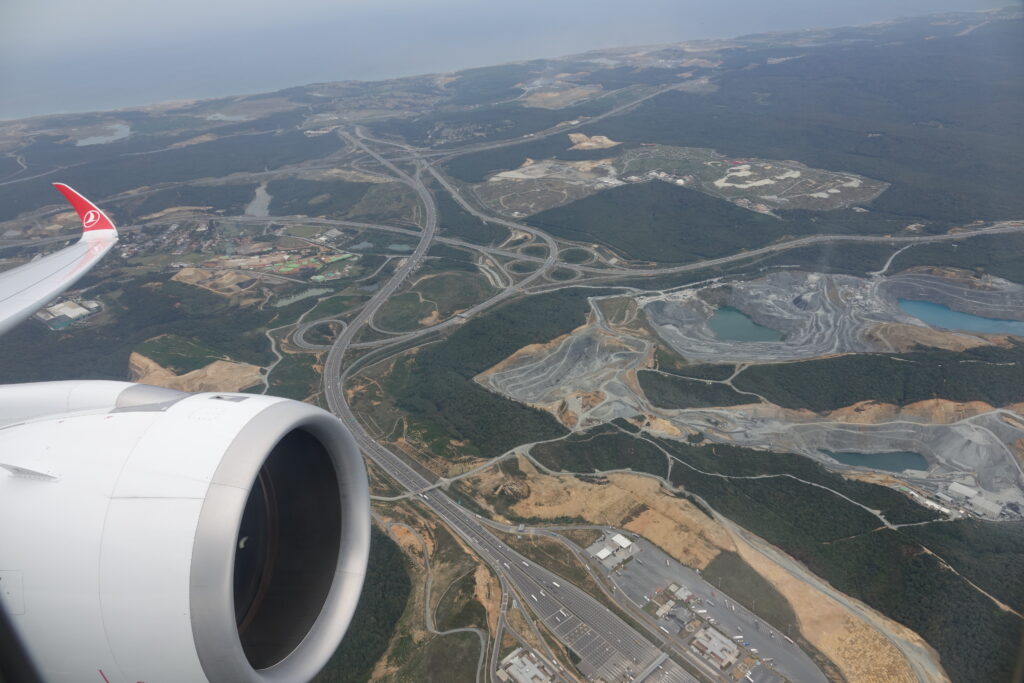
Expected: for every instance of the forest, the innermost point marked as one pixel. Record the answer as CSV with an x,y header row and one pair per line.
x,y
666,391
599,449
991,374
381,604
109,176
144,308
437,384
999,255
886,568
658,221
229,199
736,461
457,222
905,111
296,197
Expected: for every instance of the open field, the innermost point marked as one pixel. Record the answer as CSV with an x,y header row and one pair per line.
x,y
759,185
220,375
179,355
433,298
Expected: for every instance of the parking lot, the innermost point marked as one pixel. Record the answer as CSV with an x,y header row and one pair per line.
x,y
650,569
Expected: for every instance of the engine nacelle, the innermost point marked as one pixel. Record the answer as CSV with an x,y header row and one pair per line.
x,y
152,535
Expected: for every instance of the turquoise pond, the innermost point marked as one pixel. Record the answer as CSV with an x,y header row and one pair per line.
x,y
729,324
938,315
895,461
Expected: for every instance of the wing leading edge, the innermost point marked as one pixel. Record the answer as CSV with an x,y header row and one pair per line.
x,y
25,289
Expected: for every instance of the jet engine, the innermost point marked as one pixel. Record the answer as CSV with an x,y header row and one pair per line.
x,y
153,535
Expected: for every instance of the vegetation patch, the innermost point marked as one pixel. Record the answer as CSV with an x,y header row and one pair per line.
x,y
991,554
735,461
227,199
143,308
178,354
458,222
991,374
602,448
454,291
458,608
562,274
886,568
295,377
523,267
999,255
100,176
335,198
846,108
436,384
660,222
403,312
385,593
575,255
666,391
703,371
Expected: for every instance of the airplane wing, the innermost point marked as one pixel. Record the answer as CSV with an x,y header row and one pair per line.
x,y
25,289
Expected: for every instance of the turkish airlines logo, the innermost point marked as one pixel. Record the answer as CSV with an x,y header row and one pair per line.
x,y
91,218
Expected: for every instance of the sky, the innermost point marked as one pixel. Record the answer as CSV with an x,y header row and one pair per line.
x,y
72,56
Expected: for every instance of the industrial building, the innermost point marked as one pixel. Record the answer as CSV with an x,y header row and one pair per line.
x,y
716,647
975,500
680,593
523,666
611,551
61,314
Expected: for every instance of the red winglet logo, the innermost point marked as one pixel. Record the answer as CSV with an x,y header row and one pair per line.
x,y
92,218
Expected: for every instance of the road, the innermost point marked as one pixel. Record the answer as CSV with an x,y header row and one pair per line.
x,y
428,616
656,570
608,648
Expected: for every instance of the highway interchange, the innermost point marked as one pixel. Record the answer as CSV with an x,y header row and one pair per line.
x,y
607,646
609,649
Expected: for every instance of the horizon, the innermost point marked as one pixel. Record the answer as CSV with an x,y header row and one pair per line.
x,y
47,84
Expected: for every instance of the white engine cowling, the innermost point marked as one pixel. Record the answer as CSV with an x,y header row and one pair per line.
x,y
152,535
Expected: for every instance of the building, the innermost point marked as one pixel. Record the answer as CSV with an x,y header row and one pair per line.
x,y
716,647
61,314
681,593
958,489
523,666
622,541
986,507
613,551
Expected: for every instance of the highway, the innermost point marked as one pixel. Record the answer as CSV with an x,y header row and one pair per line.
x,y
608,647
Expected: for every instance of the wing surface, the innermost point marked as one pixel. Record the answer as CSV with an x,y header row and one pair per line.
x,y
25,289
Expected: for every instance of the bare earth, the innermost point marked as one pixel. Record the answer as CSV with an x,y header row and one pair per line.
x,y
583,141
220,375
860,651
224,283
934,411
903,337
673,524
199,139
557,99
488,593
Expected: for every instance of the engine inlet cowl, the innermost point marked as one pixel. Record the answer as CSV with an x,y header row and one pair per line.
x,y
219,537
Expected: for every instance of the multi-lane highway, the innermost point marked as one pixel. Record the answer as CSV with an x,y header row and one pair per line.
x,y
608,647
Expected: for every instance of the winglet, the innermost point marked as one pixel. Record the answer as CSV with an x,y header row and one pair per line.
x,y
93,220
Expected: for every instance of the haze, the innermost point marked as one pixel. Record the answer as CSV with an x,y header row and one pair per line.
x,y
69,56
